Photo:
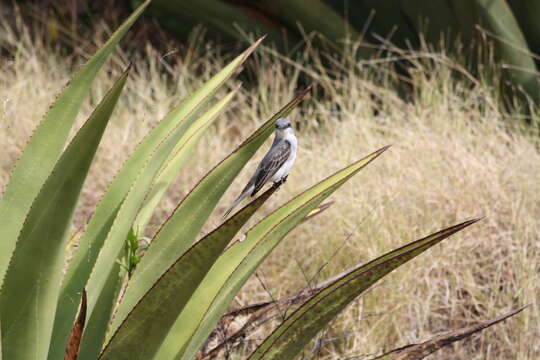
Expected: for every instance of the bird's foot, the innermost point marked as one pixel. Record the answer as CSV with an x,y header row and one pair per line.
x,y
281,181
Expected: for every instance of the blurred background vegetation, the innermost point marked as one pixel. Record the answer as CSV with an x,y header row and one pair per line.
x,y
446,81
488,36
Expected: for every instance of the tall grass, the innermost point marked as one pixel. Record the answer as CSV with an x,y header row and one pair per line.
x,y
455,155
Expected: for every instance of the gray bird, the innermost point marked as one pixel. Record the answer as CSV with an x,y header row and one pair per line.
x,y
275,165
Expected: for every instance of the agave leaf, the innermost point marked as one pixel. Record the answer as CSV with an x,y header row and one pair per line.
x,y
141,338
181,229
420,351
315,15
356,13
432,19
72,350
222,18
181,153
97,326
181,117
234,267
498,19
34,273
390,22
466,14
256,315
526,13
98,323
115,241
297,330
45,146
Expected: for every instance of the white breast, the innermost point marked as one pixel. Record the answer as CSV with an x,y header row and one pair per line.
x,y
286,167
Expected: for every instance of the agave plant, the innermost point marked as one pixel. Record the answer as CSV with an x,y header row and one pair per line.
x,y
510,24
181,287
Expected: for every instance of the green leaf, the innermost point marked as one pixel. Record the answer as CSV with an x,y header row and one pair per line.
x,y
97,324
466,14
143,330
390,22
235,266
45,146
500,23
434,20
181,117
298,329
95,334
32,283
220,17
526,13
182,151
317,16
181,229
115,241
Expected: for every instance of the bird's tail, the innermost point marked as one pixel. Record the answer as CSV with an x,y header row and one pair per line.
x,y
244,193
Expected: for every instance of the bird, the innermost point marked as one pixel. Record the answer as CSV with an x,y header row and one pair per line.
x,y
275,165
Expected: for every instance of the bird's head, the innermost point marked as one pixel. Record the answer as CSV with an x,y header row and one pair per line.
x,y
282,124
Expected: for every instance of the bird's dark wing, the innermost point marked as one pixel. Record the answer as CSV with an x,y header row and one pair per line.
x,y
270,164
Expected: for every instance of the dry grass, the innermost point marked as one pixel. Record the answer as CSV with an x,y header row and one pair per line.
x,y
454,157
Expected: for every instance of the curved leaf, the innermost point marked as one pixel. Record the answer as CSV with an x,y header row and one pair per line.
x,y
298,329
180,118
390,23
72,350
143,330
235,266
526,13
98,323
220,17
181,229
317,16
32,284
500,22
420,351
434,20
45,146
180,154
101,316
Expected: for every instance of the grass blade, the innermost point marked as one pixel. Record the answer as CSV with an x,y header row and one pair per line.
x,y
181,229
298,329
45,146
138,337
235,266
27,325
98,228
